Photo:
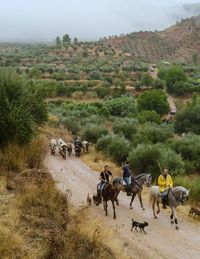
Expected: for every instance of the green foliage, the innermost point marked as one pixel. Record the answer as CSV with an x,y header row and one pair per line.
x,y
22,108
117,147
122,106
103,92
152,134
92,132
189,148
144,159
66,39
188,119
153,100
71,124
147,80
159,83
149,116
173,75
181,88
126,127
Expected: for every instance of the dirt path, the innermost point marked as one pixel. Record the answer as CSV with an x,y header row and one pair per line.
x,y
162,240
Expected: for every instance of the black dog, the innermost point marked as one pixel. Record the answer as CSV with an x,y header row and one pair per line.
x,y
139,225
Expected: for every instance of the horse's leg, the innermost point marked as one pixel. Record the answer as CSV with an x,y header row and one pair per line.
x,y
114,213
153,207
106,208
133,196
117,201
171,217
175,218
140,198
158,206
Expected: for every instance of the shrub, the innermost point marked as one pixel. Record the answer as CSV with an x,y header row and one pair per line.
x,y
71,124
22,108
152,133
92,132
153,100
144,158
189,148
126,126
149,116
122,106
173,75
188,120
117,147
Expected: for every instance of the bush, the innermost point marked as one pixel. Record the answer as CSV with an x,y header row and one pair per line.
x,y
71,124
92,132
144,159
22,108
173,75
122,106
149,116
125,126
117,147
153,100
188,120
152,134
189,148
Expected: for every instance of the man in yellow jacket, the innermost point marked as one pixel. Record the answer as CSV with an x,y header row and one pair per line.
x,y
164,182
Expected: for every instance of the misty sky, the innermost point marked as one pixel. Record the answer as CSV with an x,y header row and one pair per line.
x,y
43,20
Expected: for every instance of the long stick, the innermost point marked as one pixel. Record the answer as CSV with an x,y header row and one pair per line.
x,y
159,165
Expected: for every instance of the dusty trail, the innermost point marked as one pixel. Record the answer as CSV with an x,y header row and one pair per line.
x,y
161,241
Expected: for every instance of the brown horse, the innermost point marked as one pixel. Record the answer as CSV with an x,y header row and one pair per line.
x,y
69,149
108,194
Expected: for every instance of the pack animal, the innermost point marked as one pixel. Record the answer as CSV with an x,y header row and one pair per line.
x,y
176,196
108,194
136,186
139,225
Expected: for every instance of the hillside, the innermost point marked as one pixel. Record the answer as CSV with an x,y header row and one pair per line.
x,y
177,43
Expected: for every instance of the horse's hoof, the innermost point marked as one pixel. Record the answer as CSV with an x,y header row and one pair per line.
x,y
177,227
158,211
143,208
172,222
114,217
131,207
155,217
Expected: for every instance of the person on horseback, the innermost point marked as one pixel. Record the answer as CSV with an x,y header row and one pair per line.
x,y
165,183
105,177
127,177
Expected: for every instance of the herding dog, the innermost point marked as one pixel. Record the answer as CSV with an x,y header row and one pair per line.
x,y
139,225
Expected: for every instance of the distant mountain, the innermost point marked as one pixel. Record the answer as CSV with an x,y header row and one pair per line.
x,y
177,43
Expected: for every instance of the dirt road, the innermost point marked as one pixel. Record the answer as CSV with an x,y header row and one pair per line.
x,y
161,241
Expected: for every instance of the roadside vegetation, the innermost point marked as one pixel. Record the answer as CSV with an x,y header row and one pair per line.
x,y
106,97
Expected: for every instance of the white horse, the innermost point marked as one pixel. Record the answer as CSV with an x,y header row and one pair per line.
x,y
85,146
52,145
176,196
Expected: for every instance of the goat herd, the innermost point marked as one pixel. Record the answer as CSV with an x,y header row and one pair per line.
x,y
61,147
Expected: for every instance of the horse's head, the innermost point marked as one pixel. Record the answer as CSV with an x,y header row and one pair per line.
x,y
148,180
183,194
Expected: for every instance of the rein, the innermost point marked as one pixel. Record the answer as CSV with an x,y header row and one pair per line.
x,y
141,187
179,201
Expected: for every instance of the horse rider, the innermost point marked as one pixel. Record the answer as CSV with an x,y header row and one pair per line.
x,y
105,178
165,183
127,177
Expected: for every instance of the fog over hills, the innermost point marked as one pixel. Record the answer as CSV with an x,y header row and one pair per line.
x,y
36,20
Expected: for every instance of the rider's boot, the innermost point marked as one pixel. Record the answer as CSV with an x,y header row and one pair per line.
x,y
128,190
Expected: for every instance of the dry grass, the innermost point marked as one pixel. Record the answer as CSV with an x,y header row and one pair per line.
x,y
35,221
96,161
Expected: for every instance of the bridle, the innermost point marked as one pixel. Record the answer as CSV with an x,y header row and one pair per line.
x,y
178,200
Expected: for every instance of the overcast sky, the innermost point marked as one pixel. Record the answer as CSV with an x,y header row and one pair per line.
x,y
43,20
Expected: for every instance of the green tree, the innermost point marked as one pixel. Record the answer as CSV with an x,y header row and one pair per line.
x,y
58,41
22,108
153,100
147,80
66,39
174,75
149,116
75,41
188,119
